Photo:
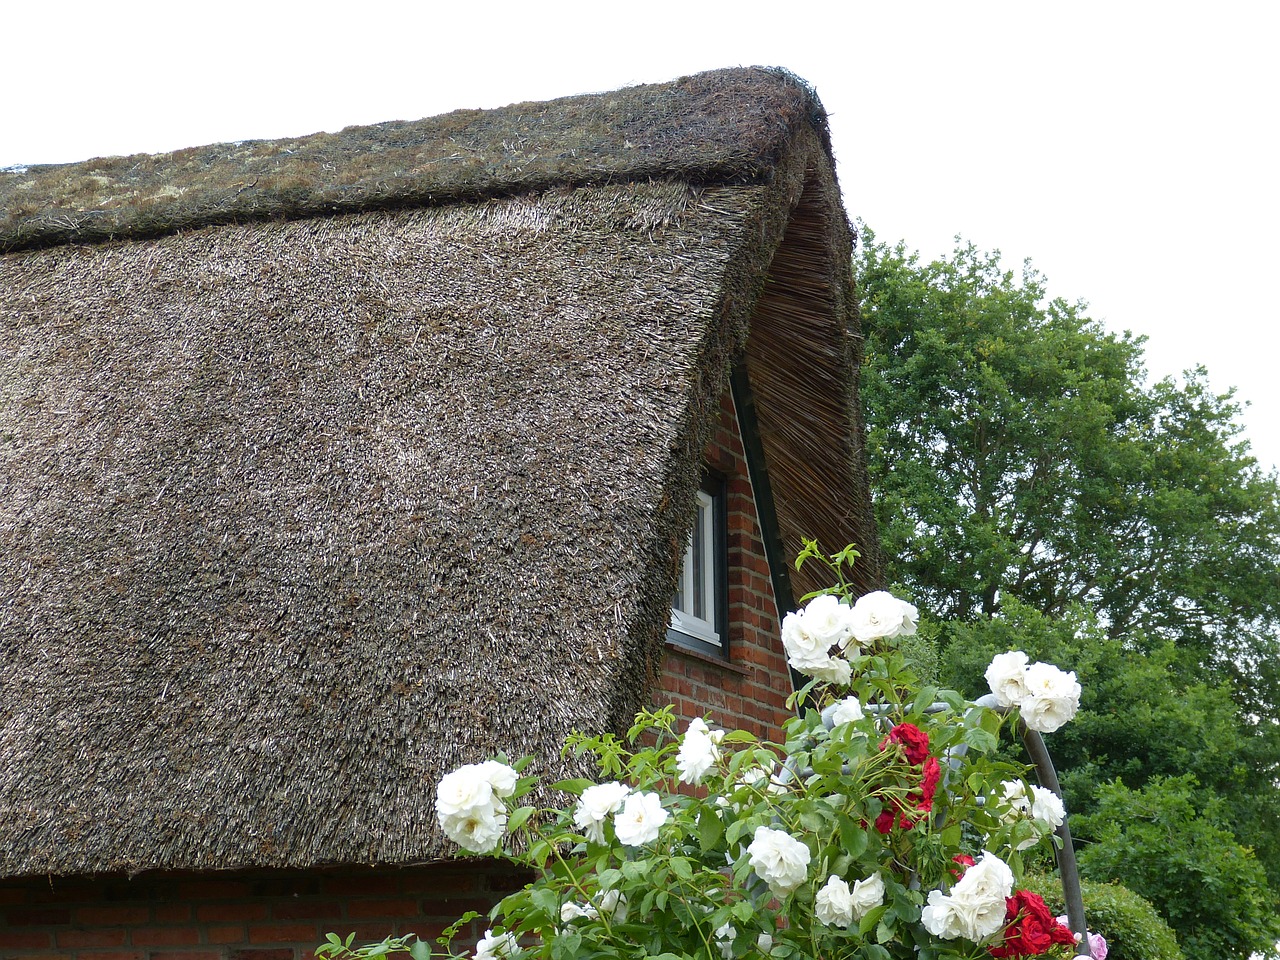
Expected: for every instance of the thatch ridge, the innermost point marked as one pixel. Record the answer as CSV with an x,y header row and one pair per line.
x,y
721,127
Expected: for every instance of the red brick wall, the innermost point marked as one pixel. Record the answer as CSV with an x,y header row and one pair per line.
x,y
749,690
276,915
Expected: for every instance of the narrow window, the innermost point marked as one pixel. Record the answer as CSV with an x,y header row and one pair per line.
x,y
698,607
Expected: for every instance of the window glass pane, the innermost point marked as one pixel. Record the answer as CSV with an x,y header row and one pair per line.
x,y
683,599
697,573
707,572
693,603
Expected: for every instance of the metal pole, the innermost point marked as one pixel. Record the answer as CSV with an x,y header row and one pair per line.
x,y
1066,853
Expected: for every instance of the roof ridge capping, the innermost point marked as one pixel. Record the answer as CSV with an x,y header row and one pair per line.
x,y
720,127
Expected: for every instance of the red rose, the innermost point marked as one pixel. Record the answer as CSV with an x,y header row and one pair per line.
x,y
1031,929
932,774
914,741
961,860
910,810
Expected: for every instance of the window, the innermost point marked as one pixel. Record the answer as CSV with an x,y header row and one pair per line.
x,y
698,606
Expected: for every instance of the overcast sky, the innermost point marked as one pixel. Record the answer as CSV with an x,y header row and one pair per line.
x,y
1129,149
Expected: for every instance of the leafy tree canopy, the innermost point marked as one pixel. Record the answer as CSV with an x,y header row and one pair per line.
x,y
1017,451
1163,845
1034,491
1142,717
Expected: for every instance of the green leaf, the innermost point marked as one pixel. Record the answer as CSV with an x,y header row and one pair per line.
x,y
925,698
546,901
710,830
518,818
980,740
575,786
870,919
635,869
681,867
853,837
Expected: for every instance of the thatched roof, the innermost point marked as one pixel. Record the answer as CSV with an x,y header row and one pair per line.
x,y
335,462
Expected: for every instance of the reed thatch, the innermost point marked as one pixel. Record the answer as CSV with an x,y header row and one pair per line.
x,y
309,493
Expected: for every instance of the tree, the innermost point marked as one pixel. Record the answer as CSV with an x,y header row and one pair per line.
x,y
1164,846
1142,717
1035,492
1016,450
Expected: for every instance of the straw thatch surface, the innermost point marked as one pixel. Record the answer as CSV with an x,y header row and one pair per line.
x,y
297,515
720,127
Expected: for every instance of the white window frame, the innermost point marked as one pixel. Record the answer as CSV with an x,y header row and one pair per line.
x,y
684,620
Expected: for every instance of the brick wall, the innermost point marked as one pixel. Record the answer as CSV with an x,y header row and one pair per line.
x,y
750,688
258,915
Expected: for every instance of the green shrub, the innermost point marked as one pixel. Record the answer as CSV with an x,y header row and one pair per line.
x,y
1133,928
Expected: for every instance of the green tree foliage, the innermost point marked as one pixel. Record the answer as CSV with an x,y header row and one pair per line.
x,y
1034,491
1162,845
1142,716
1017,451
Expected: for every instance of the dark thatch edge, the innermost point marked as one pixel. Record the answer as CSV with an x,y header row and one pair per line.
x,y
693,129
798,367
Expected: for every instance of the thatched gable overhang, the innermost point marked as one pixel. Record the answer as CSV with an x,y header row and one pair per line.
x,y
302,507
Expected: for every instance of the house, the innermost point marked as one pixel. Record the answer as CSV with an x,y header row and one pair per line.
x,y
329,464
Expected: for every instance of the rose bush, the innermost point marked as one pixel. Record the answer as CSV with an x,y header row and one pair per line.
x,y
882,826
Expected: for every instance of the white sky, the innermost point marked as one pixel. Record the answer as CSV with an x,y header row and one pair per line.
x,y
1128,148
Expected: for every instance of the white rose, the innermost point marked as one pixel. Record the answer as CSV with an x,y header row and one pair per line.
x,y
847,710
725,935
1053,697
978,898
478,829
640,819
1015,794
1042,804
867,895
594,807
469,812
496,948
954,917
779,859
1047,807
500,777
982,917
698,751
832,670
614,904
804,651
829,621
754,775
1007,677
570,911
834,903
942,917
464,789
764,943
881,614
990,879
